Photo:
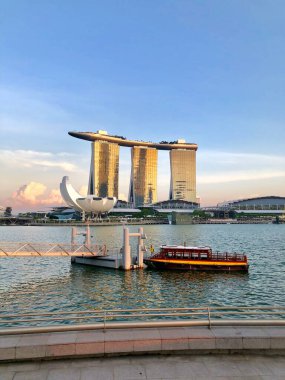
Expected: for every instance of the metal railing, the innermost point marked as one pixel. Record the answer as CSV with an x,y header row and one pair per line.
x,y
16,249
141,318
211,256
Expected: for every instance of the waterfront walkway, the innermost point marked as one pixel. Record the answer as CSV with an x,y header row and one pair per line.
x,y
134,341
152,367
240,352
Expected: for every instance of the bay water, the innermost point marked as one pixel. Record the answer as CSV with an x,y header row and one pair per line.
x,y
47,284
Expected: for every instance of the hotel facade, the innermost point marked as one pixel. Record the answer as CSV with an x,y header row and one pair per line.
x,y
104,168
143,183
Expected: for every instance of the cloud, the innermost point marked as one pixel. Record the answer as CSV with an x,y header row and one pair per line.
x,y
29,193
31,158
220,167
54,198
83,190
230,158
224,177
35,194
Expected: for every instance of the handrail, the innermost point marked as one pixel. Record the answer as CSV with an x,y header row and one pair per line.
x,y
119,318
42,249
147,310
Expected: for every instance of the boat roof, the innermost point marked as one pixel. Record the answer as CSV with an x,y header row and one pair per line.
x,y
184,247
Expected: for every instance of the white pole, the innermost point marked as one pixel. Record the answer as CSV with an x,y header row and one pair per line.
x,y
126,250
140,246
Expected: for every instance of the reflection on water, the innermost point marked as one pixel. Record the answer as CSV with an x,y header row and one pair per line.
x,y
52,284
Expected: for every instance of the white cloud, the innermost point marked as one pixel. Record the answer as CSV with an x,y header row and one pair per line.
x,y
223,177
229,158
83,190
220,167
35,194
30,158
53,198
29,193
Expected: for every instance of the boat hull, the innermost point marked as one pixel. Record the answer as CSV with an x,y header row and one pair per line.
x,y
198,266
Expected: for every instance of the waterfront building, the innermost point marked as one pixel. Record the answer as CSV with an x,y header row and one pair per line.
x,y
259,205
183,175
104,169
178,206
90,204
143,183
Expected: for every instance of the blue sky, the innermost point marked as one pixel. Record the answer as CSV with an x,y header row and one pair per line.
x,y
211,72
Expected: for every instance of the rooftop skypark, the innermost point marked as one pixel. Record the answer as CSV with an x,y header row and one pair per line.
x,y
122,141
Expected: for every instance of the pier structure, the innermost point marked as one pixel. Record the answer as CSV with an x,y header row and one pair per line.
x,y
86,253
118,258
104,168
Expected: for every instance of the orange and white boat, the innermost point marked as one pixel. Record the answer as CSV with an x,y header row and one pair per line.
x,y
173,257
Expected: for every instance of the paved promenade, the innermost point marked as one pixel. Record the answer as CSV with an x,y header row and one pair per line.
x,y
146,353
186,340
153,367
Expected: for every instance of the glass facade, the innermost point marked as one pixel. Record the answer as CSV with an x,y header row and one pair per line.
x,y
143,185
104,169
183,175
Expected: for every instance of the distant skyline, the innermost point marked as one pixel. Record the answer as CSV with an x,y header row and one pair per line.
x,y
211,72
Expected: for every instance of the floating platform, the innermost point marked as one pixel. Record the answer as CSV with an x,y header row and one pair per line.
x,y
113,262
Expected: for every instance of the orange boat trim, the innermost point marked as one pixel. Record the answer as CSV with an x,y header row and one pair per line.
x,y
196,262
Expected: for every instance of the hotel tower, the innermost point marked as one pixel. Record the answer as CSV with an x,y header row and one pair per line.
x,y
143,184
104,169
183,175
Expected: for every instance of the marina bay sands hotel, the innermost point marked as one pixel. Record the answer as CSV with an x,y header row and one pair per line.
x,y
104,168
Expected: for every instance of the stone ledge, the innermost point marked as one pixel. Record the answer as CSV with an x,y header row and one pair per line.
x,y
143,341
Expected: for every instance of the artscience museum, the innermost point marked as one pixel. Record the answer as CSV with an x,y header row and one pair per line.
x,y
89,204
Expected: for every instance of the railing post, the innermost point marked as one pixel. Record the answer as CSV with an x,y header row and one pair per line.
x,y
104,329
209,318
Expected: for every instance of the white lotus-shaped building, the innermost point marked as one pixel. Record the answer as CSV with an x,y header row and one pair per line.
x,y
89,204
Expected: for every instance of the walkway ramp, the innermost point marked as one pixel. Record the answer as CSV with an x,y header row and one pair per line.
x,y
16,249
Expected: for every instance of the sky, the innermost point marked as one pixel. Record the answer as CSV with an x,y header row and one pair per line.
x,y
209,71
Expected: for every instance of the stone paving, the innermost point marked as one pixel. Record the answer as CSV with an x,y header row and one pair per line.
x,y
151,367
179,340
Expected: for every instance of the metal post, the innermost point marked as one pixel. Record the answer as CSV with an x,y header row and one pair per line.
x,y
73,236
209,318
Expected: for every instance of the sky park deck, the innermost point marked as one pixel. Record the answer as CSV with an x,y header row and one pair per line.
x,y
122,141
